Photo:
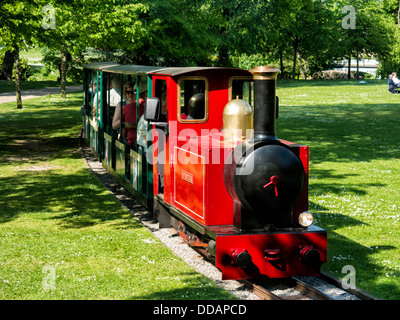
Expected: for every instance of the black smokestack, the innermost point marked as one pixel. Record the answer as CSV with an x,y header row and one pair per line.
x,y
264,102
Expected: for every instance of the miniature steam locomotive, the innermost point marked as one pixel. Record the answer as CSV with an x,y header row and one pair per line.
x,y
208,163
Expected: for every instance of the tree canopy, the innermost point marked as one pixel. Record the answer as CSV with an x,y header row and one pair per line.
x,y
301,36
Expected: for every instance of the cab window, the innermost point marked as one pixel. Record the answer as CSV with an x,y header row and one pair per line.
x,y
242,88
193,99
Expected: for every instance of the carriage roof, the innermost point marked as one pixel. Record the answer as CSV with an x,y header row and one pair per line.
x,y
146,70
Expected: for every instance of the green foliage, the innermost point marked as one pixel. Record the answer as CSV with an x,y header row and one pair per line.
x,y
248,62
21,23
336,74
392,61
51,61
25,69
301,36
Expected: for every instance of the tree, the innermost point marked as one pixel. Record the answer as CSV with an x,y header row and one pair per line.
x,y
158,32
63,32
283,29
372,34
8,65
19,28
241,29
391,63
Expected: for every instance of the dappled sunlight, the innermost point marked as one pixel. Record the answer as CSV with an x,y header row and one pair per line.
x,y
59,196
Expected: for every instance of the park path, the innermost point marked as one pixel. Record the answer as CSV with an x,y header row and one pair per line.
x,y
34,93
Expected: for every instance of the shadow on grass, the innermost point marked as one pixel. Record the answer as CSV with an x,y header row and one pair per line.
x,y
22,149
45,130
343,251
44,127
48,130
343,134
76,200
192,291
9,86
328,83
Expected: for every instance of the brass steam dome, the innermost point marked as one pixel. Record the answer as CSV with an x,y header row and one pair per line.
x,y
237,118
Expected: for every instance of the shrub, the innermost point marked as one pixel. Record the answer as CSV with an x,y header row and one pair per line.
x,y
25,70
335,74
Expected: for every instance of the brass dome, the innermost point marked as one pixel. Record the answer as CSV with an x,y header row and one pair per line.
x,y
237,118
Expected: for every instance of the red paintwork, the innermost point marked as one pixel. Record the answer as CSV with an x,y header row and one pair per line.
x,y
204,198
275,255
196,187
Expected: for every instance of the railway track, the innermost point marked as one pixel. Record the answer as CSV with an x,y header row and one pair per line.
x,y
294,289
264,289
324,287
297,289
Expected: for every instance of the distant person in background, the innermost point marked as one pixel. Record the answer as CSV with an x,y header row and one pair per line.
x,y
395,79
392,85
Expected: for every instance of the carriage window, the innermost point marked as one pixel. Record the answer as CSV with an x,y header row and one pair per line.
x,y
192,97
244,89
95,93
87,93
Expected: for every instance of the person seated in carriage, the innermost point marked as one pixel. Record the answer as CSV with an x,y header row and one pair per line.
x,y
129,113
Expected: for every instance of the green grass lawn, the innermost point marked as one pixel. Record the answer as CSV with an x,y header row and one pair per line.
x,y
9,86
55,216
62,235
353,133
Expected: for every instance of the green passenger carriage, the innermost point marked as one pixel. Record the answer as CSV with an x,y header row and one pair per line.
x,y
127,163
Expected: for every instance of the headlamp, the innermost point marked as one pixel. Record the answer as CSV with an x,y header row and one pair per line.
x,y
306,219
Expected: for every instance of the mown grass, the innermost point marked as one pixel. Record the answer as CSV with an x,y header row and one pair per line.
x,y
54,213
62,235
352,130
9,86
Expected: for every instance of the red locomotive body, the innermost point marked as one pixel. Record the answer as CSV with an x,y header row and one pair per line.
x,y
241,200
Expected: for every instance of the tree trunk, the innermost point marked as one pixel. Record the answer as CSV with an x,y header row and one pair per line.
x,y
223,55
349,67
296,46
64,72
303,68
398,16
8,65
17,79
358,58
281,63
107,53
